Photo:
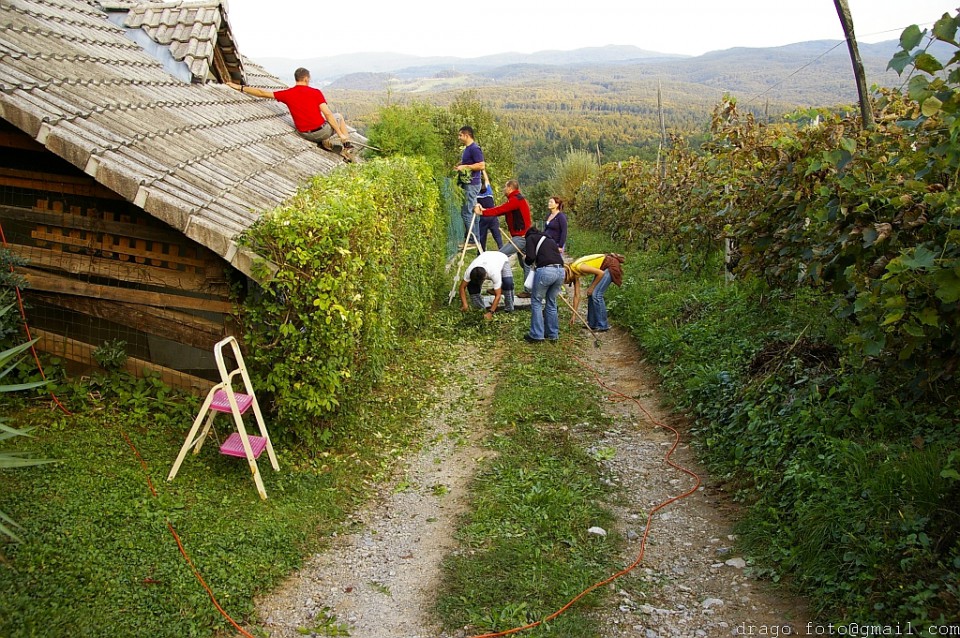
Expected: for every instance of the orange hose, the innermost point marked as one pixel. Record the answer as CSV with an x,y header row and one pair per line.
x,y
26,328
183,551
646,531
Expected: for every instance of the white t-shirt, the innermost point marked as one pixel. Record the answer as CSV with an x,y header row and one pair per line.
x,y
492,261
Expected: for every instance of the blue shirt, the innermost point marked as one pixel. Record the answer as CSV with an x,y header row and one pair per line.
x,y
485,198
473,155
557,230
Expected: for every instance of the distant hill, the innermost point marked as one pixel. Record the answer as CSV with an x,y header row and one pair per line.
x,y
606,100
814,73
327,69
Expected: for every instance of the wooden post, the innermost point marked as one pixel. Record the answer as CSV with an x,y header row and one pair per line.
x,y
866,109
662,164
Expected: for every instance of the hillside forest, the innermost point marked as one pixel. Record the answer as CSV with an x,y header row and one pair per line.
x,y
613,110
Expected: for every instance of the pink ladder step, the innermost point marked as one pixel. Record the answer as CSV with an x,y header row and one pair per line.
x,y
233,446
222,404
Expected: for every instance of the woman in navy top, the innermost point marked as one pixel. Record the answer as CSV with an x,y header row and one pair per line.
x,y
556,225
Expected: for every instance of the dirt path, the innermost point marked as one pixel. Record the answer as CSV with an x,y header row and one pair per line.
x,y
695,582
377,581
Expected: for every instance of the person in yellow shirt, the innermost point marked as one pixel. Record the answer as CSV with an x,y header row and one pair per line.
x,y
605,268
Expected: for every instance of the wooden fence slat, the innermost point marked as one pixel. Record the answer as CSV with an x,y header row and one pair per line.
x,y
50,282
81,352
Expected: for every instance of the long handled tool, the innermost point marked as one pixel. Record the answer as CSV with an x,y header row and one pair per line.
x,y
596,341
463,252
361,144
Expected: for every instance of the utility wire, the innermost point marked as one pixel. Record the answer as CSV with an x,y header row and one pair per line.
x,y
816,59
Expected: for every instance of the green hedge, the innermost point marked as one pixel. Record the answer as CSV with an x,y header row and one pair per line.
x,y
359,263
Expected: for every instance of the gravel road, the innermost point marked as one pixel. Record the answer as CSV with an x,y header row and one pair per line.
x,y
376,580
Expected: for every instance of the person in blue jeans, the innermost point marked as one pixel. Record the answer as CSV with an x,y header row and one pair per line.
x,y
597,305
544,255
605,268
469,170
489,225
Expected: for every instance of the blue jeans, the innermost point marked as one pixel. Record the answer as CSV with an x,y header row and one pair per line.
x,y
544,322
508,249
470,192
596,306
490,225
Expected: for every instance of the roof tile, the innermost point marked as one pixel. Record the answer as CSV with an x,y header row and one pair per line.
x,y
204,157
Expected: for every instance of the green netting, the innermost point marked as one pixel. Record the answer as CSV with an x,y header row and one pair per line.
x,y
452,201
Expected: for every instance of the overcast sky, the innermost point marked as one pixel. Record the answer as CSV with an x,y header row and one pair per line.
x,y
302,29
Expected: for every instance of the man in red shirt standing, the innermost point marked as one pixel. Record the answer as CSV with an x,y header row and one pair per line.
x,y
312,117
516,210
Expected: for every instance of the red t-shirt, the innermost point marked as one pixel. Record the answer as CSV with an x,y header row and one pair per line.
x,y
304,104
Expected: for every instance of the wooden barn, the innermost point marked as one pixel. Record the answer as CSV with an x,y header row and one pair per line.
x,y
127,169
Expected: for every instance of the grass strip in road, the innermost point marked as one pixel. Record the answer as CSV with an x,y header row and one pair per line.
x,y
524,546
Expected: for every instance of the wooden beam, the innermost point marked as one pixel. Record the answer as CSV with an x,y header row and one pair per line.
x,y
114,244
80,264
177,326
81,352
222,72
55,183
22,141
49,282
93,223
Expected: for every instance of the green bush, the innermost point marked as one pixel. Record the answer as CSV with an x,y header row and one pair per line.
x,y
822,201
358,264
850,485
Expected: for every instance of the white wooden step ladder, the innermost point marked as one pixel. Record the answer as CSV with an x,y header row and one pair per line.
x,y
222,398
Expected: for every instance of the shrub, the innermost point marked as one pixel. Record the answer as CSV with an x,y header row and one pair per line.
x,y
12,459
358,263
852,490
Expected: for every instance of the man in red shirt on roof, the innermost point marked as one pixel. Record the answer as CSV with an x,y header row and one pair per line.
x,y
516,210
312,117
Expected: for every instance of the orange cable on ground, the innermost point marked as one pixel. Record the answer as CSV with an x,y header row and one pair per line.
x,y
136,452
26,328
183,551
646,531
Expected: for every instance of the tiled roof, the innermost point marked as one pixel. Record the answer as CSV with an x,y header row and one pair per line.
x,y
192,30
201,157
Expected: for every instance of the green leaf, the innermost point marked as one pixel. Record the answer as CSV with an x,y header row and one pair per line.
x,y
927,63
929,317
931,106
913,329
948,286
6,531
922,257
872,348
919,88
893,317
14,351
911,37
900,61
945,29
